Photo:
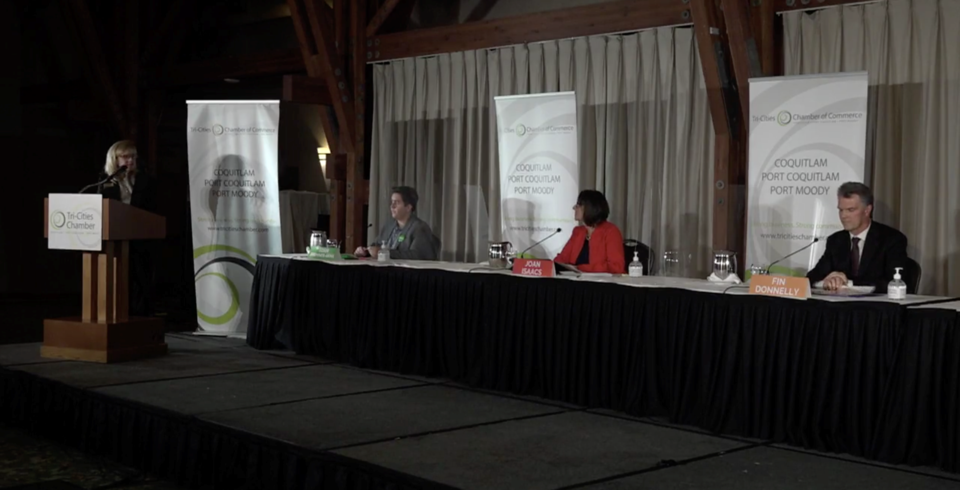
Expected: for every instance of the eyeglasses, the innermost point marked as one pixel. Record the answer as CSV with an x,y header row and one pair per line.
x,y
130,156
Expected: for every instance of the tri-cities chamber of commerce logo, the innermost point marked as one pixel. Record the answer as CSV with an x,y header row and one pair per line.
x,y
58,220
523,130
220,130
74,221
784,118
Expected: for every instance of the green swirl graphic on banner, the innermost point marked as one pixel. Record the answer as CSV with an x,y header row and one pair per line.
x,y
234,302
247,263
197,252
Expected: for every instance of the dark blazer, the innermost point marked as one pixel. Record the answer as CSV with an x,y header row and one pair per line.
x,y
606,249
884,249
144,194
142,252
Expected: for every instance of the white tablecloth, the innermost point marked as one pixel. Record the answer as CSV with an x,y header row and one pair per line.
x,y
953,305
700,285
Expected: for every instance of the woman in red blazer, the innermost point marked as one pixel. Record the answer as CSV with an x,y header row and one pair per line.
x,y
597,244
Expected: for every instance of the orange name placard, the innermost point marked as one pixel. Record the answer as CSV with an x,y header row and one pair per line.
x,y
782,286
533,267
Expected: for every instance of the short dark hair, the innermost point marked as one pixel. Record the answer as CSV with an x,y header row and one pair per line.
x,y
595,207
408,194
851,189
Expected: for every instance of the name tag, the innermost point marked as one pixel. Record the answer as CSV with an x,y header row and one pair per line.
x,y
533,267
323,253
782,286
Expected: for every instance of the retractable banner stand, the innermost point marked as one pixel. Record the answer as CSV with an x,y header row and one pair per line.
x,y
807,137
234,204
539,170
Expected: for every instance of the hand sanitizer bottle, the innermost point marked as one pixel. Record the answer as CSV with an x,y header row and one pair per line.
x,y
383,255
897,289
636,268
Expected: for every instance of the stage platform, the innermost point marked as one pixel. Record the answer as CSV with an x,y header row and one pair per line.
x,y
216,413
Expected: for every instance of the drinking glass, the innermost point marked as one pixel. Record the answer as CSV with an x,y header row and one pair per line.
x,y
318,239
333,243
670,265
724,264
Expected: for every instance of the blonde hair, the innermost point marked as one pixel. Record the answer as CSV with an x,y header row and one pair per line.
x,y
119,148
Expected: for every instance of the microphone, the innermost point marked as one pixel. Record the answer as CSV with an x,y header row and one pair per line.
x,y
538,243
791,254
112,176
122,169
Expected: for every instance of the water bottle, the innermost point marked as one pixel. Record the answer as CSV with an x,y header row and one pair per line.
x,y
636,268
897,289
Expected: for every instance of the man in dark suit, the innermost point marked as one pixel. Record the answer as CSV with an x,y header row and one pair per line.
x,y
865,252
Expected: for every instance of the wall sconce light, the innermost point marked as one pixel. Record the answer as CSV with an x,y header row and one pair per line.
x,y
322,158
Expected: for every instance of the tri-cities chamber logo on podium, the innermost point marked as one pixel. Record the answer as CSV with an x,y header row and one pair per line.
x,y
75,222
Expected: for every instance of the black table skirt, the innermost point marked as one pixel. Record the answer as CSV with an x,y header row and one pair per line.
x,y
267,294
920,420
809,373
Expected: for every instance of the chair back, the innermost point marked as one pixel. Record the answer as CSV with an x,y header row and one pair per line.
x,y
437,247
631,245
911,276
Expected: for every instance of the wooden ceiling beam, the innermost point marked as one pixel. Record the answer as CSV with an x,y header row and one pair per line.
x,y
481,11
172,21
356,184
770,35
711,46
727,123
743,49
97,70
277,62
381,16
131,63
330,66
309,49
791,5
305,90
602,18
341,27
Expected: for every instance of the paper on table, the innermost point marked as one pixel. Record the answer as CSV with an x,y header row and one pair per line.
x,y
732,279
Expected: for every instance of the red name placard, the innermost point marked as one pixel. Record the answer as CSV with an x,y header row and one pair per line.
x,y
533,267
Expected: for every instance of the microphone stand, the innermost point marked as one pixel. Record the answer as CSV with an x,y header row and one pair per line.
x,y
104,181
531,247
781,259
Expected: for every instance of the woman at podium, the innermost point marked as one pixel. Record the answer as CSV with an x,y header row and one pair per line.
x,y
132,186
597,244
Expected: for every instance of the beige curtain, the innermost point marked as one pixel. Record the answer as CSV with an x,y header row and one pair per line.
x,y
646,138
911,48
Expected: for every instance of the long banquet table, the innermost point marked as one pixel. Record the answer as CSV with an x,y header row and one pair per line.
x,y
864,376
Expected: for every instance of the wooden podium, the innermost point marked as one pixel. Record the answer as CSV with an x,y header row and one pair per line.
x,y
105,332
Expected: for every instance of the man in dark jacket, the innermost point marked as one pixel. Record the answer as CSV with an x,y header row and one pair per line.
x,y
407,237
865,252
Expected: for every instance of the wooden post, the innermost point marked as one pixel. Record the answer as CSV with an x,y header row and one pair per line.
x,y
121,277
106,299
356,184
727,125
91,285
